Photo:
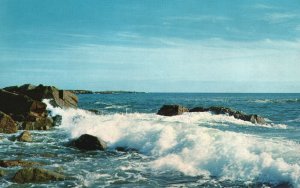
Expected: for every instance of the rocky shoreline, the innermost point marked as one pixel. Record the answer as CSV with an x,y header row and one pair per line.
x,y
22,108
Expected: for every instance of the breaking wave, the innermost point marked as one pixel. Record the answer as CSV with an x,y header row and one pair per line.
x,y
181,144
276,101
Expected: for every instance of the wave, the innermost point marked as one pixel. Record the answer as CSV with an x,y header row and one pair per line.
x,y
180,143
294,120
117,107
276,101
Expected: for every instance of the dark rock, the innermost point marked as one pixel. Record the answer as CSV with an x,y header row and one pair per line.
x,y
172,110
89,142
7,124
199,109
61,98
12,163
36,175
222,110
19,105
256,119
126,149
253,118
25,137
40,123
94,111
57,120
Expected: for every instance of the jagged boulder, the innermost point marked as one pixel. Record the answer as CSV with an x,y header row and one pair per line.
x,y
40,123
19,106
7,124
62,98
36,175
25,136
12,163
172,110
89,142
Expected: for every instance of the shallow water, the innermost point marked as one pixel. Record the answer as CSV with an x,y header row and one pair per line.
x,y
193,149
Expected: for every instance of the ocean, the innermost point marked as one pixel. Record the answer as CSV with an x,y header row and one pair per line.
x,y
190,150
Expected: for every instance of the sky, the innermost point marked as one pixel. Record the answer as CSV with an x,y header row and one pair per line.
x,y
152,45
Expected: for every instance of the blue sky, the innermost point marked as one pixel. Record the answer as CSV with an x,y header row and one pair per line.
x,y
148,45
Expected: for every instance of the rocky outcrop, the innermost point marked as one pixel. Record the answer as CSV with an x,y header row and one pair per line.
x,y
24,105
19,106
31,114
25,137
172,110
61,98
12,163
7,124
36,175
253,118
89,142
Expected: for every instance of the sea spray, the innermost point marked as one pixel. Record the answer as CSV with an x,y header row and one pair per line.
x,y
189,144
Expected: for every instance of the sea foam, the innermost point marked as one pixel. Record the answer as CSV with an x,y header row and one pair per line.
x,y
182,144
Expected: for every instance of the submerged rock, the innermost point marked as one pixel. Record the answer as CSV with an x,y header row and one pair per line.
x,y
89,142
172,110
2,172
126,149
12,163
25,137
36,175
7,124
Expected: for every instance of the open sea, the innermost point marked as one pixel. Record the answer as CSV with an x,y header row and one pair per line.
x,y
189,150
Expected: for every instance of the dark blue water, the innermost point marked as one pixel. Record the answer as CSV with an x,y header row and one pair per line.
x,y
189,150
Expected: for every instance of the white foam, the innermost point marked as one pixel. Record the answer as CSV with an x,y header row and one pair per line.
x,y
181,143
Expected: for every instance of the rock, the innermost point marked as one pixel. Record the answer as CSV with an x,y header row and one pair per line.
x,y
42,123
256,119
25,137
126,149
19,106
2,173
253,118
89,142
172,110
222,110
7,124
12,163
36,175
61,98
57,120
199,109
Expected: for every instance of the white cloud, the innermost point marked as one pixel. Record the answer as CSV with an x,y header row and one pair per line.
x,y
263,6
207,60
201,18
279,17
